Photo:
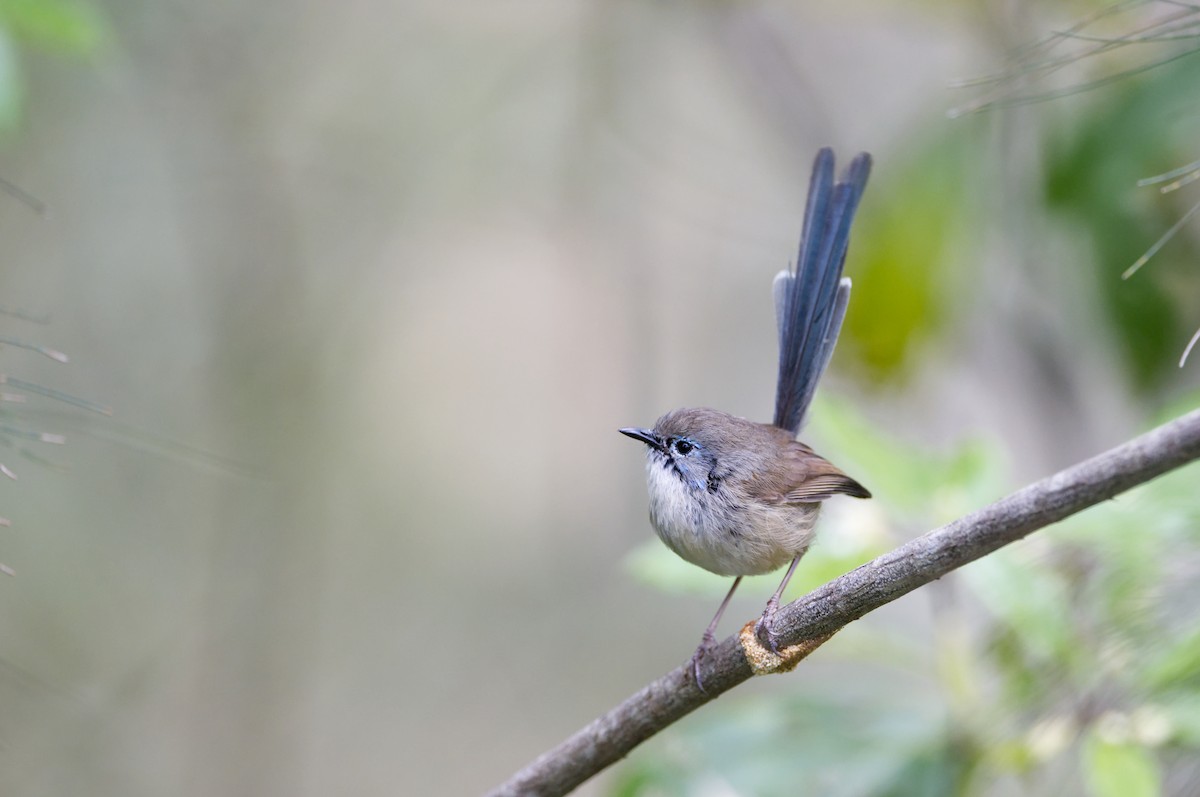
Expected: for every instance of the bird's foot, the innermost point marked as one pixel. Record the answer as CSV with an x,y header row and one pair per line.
x,y
765,628
706,644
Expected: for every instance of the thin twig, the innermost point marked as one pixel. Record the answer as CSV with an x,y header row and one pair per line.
x,y
1161,242
807,621
1191,344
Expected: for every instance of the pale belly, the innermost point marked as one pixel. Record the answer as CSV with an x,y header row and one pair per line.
x,y
729,540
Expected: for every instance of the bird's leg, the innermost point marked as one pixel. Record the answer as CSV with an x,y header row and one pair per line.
x,y
765,631
709,638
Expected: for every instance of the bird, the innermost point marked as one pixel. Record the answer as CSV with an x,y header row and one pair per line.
x,y
738,497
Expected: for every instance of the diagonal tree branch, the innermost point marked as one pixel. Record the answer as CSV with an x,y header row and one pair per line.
x,y
808,622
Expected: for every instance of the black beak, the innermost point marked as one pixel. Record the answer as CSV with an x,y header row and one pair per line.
x,y
646,436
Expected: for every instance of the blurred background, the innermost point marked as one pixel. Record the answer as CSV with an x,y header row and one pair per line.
x,y
356,295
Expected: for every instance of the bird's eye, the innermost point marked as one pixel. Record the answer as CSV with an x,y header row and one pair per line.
x,y
683,447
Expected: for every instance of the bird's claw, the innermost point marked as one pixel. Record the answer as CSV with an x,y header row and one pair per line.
x,y
706,644
765,629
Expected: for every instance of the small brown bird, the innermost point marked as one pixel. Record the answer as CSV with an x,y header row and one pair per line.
x,y
741,498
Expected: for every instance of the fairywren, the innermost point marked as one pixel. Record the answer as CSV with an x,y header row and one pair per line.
x,y
741,498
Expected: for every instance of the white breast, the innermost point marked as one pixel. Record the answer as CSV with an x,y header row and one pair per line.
x,y
723,537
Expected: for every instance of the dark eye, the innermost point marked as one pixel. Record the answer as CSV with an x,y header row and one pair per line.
x,y
683,447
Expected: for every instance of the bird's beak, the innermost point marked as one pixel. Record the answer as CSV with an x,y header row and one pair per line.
x,y
645,435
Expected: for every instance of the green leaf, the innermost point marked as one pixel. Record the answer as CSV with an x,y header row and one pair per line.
x,y
63,25
1119,769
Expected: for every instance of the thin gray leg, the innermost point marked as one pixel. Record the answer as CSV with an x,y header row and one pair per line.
x,y
709,637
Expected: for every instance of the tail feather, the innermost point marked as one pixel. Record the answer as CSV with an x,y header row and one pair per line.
x,y
810,303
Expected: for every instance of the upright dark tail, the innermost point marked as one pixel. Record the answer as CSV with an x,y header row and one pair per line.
x,y
811,302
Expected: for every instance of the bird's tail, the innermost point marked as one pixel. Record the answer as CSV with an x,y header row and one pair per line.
x,y
810,303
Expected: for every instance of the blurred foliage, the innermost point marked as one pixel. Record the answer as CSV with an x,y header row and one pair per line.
x,y
1134,130
62,26
22,434
848,748
66,26
904,270
911,265
1079,671
1083,654
1118,769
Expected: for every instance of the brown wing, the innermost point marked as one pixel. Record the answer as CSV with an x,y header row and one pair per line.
x,y
826,486
807,477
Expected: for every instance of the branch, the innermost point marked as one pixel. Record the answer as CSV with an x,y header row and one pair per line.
x,y
809,621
